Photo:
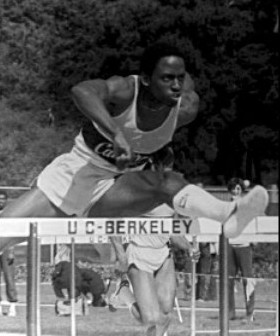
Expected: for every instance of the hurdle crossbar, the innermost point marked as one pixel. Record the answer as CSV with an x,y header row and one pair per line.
x,y
73,288
193,293
260,229
223,287
32,285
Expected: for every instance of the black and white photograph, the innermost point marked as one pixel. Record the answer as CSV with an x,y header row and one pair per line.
x,y
139,169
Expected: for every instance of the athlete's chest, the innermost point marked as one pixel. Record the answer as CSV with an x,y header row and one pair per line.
x,y
146,119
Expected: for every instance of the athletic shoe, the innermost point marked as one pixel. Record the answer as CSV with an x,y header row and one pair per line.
x,y
247,208
121,295
249,318
89,298
151,331
200,300
12,310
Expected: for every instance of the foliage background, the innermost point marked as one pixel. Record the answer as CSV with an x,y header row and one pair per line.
x,y
48,46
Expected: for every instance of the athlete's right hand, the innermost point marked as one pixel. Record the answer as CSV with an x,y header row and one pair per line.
x,y
122,151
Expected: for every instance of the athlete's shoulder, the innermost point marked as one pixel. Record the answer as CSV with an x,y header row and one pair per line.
x,y
108,89
122,87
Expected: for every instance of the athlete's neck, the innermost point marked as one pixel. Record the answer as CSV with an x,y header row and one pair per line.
x,y
148,101
151,113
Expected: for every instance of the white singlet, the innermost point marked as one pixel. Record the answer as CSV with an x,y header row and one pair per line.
x,y
75,181
148,253
144,142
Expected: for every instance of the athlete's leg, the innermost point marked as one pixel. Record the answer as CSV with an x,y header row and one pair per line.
x,y
166,290
232,271
118,253
133,194
33,203
235,215
8,266
244,256
146,295
136,193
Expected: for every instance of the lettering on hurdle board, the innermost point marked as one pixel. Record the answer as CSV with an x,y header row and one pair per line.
x,y
130,227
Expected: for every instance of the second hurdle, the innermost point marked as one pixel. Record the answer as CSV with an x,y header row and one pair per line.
x,y
75,230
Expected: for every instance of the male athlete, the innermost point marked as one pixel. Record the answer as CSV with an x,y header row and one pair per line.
x,y
151,274
130,121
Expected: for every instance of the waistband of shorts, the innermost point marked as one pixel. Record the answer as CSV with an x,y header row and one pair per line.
x,y
150,247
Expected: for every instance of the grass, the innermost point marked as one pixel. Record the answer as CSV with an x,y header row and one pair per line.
x,y
101,322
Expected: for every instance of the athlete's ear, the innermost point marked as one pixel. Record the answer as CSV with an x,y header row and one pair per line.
x,y
145,80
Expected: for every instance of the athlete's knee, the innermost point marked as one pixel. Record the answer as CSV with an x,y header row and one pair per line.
x,y
153,317
18,207
171,183
167,297
167,300
167,307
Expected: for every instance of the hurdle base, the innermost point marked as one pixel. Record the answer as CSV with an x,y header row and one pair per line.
x,y
8,309
63,307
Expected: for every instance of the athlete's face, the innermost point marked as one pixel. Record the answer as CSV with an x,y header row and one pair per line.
x,y
166,82
236,191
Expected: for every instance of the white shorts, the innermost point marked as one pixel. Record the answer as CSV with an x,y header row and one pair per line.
x,y
75,181
147,259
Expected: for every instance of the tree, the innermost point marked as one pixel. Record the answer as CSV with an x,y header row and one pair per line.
x,y
48,46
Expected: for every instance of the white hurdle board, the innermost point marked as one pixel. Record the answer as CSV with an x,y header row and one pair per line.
x,y
260,229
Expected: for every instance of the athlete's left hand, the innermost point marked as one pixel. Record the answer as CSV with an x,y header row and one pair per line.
x,y
163,159
122,151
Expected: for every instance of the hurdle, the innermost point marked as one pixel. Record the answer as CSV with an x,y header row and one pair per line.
x,y
260,229
193,290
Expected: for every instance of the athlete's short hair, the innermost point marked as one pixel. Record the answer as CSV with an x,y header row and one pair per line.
x,y
233,182
154,53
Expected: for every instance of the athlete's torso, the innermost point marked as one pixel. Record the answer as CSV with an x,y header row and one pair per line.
x,y
155,241
143,143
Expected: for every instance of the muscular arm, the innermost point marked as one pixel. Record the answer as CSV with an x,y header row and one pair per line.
x,y
183,243
189,104
93,99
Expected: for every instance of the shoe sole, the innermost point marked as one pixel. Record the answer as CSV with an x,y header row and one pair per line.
x,y
247,208
150,331
112,308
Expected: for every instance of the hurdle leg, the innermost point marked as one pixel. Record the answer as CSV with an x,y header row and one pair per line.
x,y
193,328
38,288
73,315
277,304
223,287
31,301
